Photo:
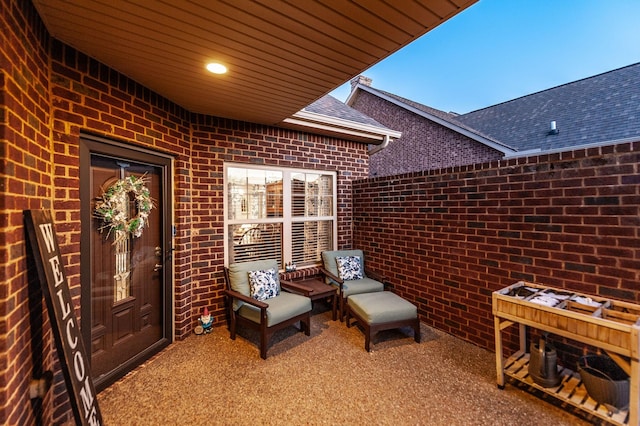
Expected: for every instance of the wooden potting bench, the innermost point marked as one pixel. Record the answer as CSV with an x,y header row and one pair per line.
x,y
612,326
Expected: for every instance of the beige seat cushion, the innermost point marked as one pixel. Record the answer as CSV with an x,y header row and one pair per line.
x,y
382,307
282,307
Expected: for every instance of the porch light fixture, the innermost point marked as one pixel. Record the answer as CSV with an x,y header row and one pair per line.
x,y
216,68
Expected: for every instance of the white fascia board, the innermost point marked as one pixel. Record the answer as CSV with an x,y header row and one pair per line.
x,y
538,151
498,147
351,93
526,153
324,122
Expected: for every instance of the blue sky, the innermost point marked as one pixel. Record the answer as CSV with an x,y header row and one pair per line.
x,y
498,50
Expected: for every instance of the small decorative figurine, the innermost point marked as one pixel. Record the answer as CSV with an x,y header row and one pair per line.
x,y
206,320
289,267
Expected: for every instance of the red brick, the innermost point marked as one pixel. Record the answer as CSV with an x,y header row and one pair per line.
x,y
448,237
559,246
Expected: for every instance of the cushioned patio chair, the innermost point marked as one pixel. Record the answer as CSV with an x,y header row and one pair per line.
x,y
257,299
346,270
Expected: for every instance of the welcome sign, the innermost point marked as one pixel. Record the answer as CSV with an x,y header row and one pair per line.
x,y
71,351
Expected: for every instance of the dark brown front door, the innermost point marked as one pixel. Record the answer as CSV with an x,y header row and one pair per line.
x,y
125,276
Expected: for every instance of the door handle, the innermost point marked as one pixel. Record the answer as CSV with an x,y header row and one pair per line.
x,y
157,267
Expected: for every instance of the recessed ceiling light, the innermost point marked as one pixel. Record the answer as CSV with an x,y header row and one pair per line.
x,y
216,68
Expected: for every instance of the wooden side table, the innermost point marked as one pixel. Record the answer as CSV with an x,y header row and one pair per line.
x,y
321,290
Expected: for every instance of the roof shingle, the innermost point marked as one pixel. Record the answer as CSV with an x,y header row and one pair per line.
x,y
597,109
332,107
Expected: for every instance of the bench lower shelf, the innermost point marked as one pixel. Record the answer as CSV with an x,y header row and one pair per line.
x,y
571,390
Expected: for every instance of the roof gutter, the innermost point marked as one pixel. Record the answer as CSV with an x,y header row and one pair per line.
x,y
320,122
377,148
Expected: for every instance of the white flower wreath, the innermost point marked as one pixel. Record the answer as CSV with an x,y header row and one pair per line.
x,y
112,206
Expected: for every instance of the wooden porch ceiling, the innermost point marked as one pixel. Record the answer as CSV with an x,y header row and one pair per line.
x,y
281,54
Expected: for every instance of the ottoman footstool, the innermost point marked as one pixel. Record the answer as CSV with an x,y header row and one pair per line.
x,y
382,310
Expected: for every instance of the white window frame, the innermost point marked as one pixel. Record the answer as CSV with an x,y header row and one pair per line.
x,y
287,217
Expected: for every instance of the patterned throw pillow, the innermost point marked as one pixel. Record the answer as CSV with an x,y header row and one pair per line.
x,y
349,267
264,284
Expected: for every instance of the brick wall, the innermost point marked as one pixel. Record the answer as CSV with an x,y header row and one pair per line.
x,y
424,145
216,141
449,238
89,97
25,181
50,93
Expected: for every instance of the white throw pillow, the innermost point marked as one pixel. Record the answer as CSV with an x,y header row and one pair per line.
x,y
349,267
264,284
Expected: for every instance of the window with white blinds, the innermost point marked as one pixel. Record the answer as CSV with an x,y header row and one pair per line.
x,y
275,213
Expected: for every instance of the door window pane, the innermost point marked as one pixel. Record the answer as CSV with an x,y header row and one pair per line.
x,y
122,277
